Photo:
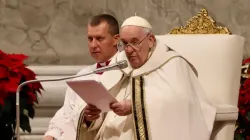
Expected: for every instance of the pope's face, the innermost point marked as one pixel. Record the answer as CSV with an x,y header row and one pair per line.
x,y
102,45
137,44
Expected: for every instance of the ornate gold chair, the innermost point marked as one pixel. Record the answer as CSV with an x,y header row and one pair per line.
x,y
201,24
217,55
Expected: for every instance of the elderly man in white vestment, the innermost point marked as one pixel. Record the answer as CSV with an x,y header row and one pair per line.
x,y
103,35
159,95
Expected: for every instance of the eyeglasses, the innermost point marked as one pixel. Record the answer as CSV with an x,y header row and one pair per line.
x,y
135,45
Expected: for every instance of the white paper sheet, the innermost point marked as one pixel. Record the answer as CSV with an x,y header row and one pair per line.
x,y
92,92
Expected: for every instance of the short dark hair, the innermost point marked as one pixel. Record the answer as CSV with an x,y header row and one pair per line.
x,y
112,22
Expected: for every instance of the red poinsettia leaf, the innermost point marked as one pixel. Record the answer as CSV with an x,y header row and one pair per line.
x,y
244,104
247,98
3,93
242,93
15,79
4,60
32,97
40,87
246,61
17,57
16,67
1,101
28,74
3,55
1,52
247,84
12,72
17,73
37,86
241,101
242,111
4,73
5,63
39,91
12,86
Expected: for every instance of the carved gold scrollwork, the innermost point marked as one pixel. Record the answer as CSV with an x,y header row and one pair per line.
x,y
245,70
201,24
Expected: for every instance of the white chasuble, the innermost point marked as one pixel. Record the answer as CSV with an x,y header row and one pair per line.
x,y
167,99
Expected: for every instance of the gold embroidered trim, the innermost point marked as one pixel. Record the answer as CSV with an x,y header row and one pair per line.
x,y
81,126
139,114
80,122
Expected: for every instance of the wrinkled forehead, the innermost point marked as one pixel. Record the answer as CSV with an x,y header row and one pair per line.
x,y
130,32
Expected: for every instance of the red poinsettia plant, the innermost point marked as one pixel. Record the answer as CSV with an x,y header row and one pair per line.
x,y
13,72
242,131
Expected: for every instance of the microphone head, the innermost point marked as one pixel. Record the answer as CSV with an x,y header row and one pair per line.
x,y
122,64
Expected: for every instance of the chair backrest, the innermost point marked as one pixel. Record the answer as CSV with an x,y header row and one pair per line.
x,y
215,53
217,59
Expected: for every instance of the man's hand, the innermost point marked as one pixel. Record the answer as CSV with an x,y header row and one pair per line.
x,y
91,113
122,108
48,138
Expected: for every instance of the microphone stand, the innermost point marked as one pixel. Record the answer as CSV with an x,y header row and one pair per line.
x,y
34,81
118,65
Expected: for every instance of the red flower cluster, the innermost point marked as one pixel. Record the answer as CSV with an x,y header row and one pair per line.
x,y
12,73
244,95
243,122
244,98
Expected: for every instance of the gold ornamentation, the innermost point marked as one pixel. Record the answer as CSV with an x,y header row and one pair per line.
x,y
201,24
245,69
79,125
82,128
139,109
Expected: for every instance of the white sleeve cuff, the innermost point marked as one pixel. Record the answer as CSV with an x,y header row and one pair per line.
x,y
54,132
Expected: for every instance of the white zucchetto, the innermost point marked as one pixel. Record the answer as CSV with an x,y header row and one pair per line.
x,y
136,21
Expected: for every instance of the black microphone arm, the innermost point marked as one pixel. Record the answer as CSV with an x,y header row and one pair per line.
x,y
118,65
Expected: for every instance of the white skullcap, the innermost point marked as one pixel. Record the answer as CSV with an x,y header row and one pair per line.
x,y
136,21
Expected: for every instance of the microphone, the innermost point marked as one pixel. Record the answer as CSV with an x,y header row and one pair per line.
x,y
118,65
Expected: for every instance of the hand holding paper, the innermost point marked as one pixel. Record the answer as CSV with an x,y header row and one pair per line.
x,y
93,92
91,113
122,108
